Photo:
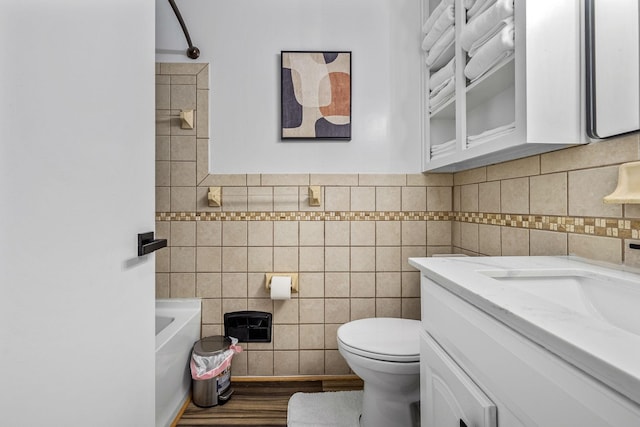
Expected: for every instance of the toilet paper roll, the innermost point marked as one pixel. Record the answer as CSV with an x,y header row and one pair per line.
x,y
281,287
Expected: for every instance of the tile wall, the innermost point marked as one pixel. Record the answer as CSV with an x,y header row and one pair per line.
x,y
351,251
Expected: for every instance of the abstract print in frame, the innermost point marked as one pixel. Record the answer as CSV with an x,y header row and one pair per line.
x,y
316,95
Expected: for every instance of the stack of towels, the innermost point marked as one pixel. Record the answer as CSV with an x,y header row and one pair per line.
x,y
488,36
475,140
443,149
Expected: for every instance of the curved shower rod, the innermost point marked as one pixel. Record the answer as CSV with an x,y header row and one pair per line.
x,y
193,52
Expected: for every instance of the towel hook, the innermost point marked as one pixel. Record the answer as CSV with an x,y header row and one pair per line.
x,y
193,52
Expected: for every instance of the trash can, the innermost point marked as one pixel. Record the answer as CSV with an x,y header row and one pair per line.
x,y
211,370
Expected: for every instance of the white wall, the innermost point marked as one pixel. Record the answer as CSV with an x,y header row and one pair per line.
x,y
242,40
76,186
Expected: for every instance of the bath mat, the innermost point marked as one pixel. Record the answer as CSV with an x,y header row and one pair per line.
x,y
333,408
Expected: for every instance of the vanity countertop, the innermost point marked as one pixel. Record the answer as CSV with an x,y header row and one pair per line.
x,y
586,313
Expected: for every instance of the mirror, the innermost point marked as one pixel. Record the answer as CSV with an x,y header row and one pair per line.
x,y
612,45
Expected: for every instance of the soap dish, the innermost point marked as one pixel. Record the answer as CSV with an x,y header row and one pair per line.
x,y
628,189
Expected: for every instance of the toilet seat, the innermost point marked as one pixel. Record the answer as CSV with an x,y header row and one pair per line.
x,y
384,339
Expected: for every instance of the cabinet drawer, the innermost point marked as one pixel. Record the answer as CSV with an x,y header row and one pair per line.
x,y
449,397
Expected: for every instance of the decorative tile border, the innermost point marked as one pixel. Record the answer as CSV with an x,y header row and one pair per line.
x,y
605,227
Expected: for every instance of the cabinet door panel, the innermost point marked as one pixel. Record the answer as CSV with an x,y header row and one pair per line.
x,y
450,397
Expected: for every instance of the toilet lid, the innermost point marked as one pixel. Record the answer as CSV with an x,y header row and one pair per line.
x,y
394,340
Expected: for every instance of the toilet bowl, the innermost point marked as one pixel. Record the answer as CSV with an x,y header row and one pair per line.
x,y
385,354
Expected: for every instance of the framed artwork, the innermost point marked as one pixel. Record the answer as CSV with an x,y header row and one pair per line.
x,y
316,95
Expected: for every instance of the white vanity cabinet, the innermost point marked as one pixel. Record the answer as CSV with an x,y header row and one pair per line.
x,y
480,371
537,89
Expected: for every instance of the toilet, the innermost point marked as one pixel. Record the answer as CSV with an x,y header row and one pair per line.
x,y
385,354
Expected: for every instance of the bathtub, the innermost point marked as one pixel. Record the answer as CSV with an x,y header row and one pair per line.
x,y
177,329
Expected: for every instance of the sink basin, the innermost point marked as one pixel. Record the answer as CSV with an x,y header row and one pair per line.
x,y
610,299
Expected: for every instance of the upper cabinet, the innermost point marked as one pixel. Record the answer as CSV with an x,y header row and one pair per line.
x,y
502,80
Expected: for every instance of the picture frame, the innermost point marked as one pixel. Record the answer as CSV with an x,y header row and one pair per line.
x,y
315,95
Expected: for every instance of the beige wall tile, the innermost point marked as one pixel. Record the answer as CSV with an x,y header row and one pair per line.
x,y
311,258
527,166
362,308
183,285
208,259
337,233
286,311
254,180
183,148
337,198
438,233
331,334
363,198
471,176
285,199
202,113
489,197
414,233
234,233
234,199
336,258
439,199
469,236
183,173
456,199
260,199
411,252
388,258
163,95
388,233
337,309
469,198
234,259
240,366
285,259
601,153
163,230
588,187
311,285
311,310
260,233
456,233
183,233
515,241
208,233
547,243
162,285
337,285
548,194
211,310
489,240
163,148
285,337
382,179
334,179
437,250
209,285
388,285
285,363
181,68
411,308
388,307
163,122
514,196
414,199
183,259
285,233
312,337
597,248
256,287
334,363
285,180
410,283
632,211
363,233
311,233
203,78
260,259
225,180
311,362
363,285
183,80
387,199
234,304
202,159
234,285
259,362
163,174
427,179
183,97
631,256
163,260
183,199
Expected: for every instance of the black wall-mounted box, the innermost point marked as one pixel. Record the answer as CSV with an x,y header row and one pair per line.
x,y
248,326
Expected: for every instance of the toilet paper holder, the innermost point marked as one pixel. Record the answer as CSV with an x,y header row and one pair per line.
x,y
294,280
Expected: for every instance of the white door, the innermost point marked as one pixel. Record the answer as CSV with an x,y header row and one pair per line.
x,y
76,186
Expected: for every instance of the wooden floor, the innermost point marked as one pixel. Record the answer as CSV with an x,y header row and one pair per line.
x,y
259,403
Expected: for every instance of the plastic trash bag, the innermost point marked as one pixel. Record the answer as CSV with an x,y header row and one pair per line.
x,y
206,367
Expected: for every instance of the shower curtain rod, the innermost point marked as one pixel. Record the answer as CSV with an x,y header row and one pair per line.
x,y
193,52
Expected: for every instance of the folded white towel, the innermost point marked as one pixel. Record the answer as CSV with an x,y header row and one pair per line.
x,y
475,140
442,74
492,32
444,21
435,14
478,7
442,50
436,98
489,54
443,149
485,22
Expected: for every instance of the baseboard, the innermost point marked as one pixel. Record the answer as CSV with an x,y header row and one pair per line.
x,y
247,379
